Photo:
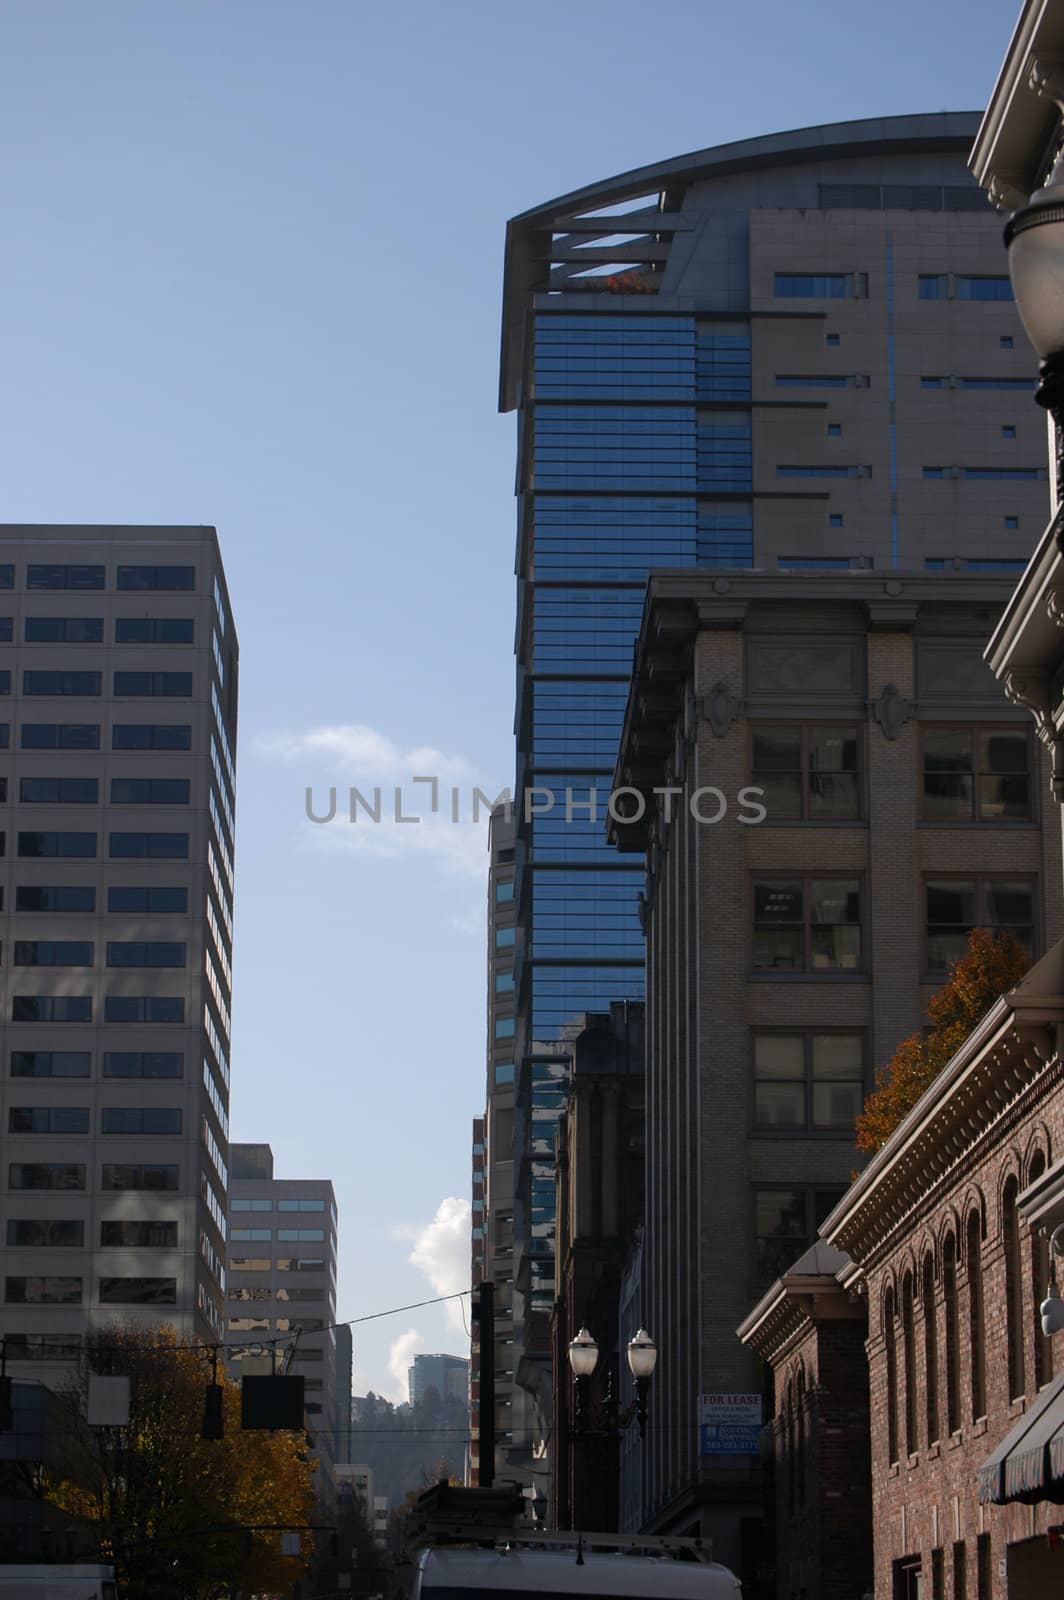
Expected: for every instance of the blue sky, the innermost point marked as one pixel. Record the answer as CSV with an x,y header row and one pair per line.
x,y
251,276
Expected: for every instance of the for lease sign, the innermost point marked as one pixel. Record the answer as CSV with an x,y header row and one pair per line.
x,y
729,1424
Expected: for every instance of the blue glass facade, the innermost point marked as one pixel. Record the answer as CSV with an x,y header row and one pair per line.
x,y
639,455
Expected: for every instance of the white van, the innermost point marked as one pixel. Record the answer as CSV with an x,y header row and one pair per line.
x,y
41,1581
468,1574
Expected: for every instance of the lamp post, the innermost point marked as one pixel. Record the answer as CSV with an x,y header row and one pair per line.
x,y
1034,238
1052,1307
642,1355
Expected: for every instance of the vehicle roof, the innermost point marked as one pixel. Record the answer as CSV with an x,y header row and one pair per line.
x,y
541,1571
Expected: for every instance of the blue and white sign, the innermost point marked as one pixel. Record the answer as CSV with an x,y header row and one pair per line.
x,y
729,1424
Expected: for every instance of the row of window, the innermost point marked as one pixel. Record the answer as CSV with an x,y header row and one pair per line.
x,y
115,1177
78,1064
128,898
825,469
53,791
277,1264
89,630
86,736
279,1205
284,1235
61,844
930,286
52,1233
89,685
92,575
59,1290
76,1119
81,953
117,1008
815,924
858,380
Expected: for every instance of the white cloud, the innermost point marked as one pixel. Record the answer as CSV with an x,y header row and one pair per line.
x,y
383,773
441,1251
401,1354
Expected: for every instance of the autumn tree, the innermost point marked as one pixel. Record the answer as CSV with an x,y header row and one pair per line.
x,y
988,969
181,1517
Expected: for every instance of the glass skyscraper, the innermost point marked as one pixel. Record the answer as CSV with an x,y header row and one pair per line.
x,y
717,361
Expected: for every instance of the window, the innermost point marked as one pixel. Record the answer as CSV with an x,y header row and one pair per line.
x,y
908,1350
142,1177
251,1205
153,630
504,889
51,1008
822,471
808,1080
66,683
984,1582
65,1347
301,1205
807,925
967,287
834,519
64,630
832,340
977,775
140,1119
890,1353
1023,474
976,1327
815,380
504,1027
142,953
299,1264
834,430
949,1299
960,1571
52,953
504,1074
45,1233
5,681
51,1063
54,897
933,286
957,905
42,1291
504,983
927,1296
59,791
138,1291
7,576
1008,431
60,736
46,1175
48,1119
138,1235
1012,522
250,1264
300,1235
150,791
71,846
785,1225
151,736
811,285
143,1008
808,773
156,578
157,902
250,1235
148,846
5,727
505,938
1006,342
175,684
143,1064
42,576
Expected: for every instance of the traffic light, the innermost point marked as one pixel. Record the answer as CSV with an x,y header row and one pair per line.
x,y
213,1420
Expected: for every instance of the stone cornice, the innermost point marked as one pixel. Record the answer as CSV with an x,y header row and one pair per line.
x,y
791,1309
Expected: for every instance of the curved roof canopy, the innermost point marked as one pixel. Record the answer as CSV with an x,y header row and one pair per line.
x,y
551,232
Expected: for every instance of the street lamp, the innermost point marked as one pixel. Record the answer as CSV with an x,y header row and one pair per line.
x,y
1034,237
1053,1306
642,1355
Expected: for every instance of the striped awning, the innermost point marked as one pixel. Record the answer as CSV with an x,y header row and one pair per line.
x,y
1028,1464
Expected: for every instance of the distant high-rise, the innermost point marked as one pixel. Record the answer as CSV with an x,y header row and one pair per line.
x,y
118,740
794,353
448,1375
282,1285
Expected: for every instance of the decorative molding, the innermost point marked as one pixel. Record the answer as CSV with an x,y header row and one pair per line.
x,y
892,711
1031,690
720,709
1055,608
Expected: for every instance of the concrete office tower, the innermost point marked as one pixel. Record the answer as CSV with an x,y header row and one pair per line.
x,y
282,1281
794,353
118,735
907,803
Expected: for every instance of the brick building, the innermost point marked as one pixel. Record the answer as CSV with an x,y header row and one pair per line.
x,y
787,957
946,1229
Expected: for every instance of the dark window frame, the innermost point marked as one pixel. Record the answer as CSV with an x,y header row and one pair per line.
x,y
807,1033
980,880
807,971
977,731
807,728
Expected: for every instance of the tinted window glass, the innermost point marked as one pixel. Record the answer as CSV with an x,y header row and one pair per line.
x,y
60,736
156,577
151,736
41,575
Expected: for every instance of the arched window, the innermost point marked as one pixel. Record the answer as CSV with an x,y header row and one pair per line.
x,y
976,1329
927,1295
908,1351
891,1353
1043,1348
1010,1221
790,1447
800,1406
949,1301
